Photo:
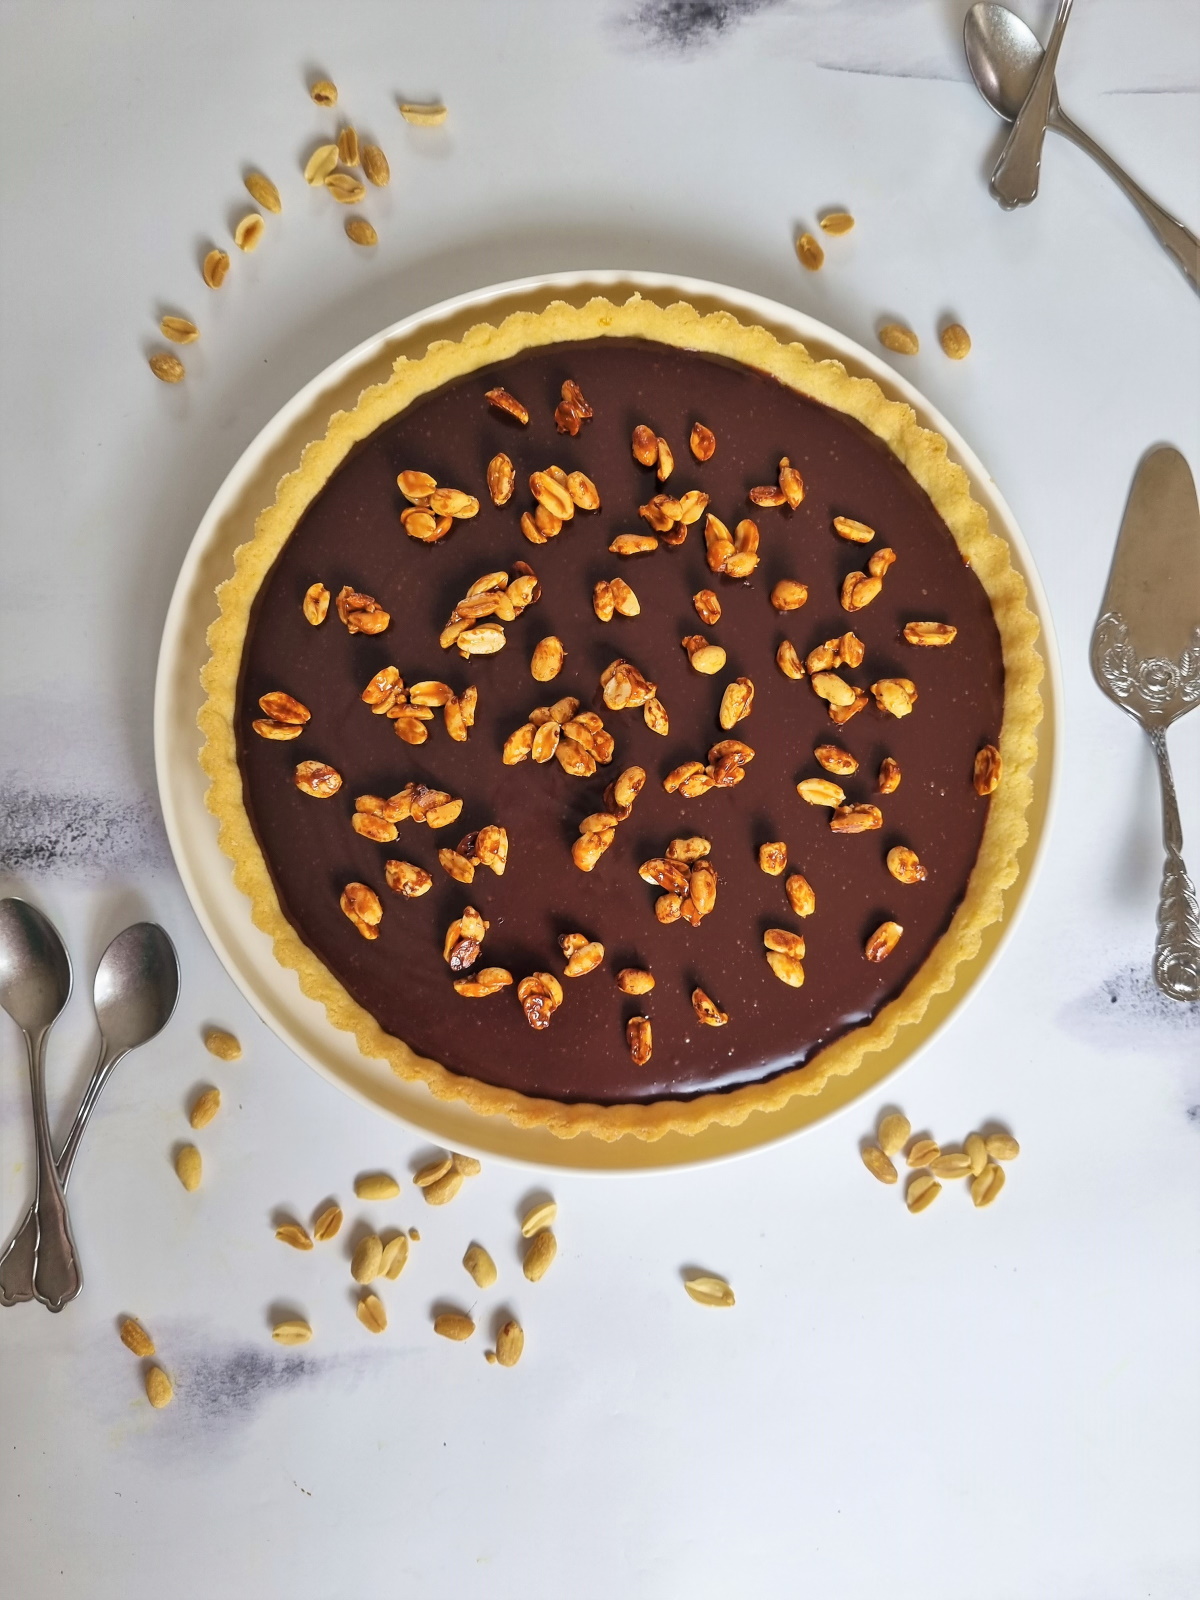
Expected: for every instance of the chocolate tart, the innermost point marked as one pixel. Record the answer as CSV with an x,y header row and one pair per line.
x,y
567,1052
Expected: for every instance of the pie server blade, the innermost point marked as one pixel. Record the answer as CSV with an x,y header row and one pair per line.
x,y
1146,658
1151,610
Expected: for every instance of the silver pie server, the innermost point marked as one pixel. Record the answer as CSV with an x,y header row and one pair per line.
x,y
1146,658
35,985
1004,56
134,994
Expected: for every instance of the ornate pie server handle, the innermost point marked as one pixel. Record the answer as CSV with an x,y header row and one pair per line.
x,y
1177,952
1155,691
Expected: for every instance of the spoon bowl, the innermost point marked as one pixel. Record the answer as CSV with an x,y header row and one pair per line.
x,y
35,970
1004,56
136,987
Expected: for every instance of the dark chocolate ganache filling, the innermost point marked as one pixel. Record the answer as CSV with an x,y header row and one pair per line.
x,y
351,535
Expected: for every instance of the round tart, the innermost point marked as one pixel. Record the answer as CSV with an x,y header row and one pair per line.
x,y
621,721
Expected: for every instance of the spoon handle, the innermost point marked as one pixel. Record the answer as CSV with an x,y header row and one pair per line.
x,y
56,1277
1177,951
1178,241
18,1261
16,1265
1015,177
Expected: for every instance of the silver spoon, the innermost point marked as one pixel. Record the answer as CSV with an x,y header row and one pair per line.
x,y
136,987
1004,57
1015,179
35,985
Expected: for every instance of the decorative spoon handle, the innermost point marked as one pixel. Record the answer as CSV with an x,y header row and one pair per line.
x,y
1177,952
16,1265
1015,178
1179,242
56,1277
18,1262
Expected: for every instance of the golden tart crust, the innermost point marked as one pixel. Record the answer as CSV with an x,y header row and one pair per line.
x,y
924,455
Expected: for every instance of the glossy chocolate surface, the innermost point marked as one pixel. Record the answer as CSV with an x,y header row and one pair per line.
x,y
352,535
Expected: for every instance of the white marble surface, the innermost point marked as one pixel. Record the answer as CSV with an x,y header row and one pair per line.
x,y
1006,1401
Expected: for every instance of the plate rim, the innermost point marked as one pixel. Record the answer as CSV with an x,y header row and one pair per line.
x,y
631,1156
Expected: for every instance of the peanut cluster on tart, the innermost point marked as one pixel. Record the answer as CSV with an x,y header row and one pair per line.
x,y
622,721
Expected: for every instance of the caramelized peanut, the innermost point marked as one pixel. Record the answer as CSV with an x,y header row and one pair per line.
x,y
407,880
786,968
501,479
282,707
896,696
640,1038
634,980
633,544
709,1013
624,599
361,905
376,828
317,779
547,661
905,866
820,792
788,661
858,590
855,532
856,819
508,403
688,850
987,770
645,445
708,607
800,895
883,941
790,482
834,759
789,595
736,703
316,604
589,847
772,857
930,633
702,441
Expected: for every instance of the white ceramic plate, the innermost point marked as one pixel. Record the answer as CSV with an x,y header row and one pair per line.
x,y
224,913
